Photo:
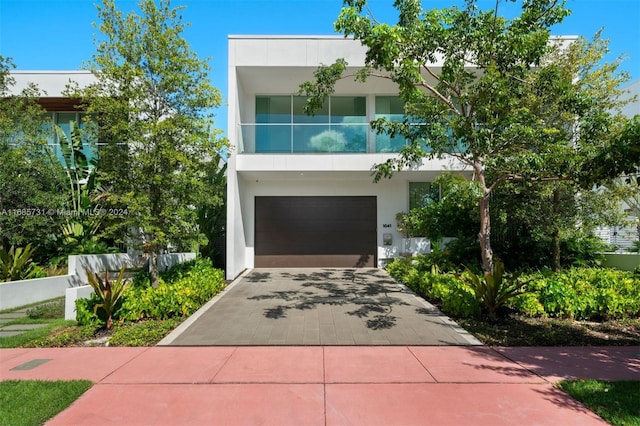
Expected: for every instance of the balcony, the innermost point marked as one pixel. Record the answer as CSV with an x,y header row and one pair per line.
x,y
314,138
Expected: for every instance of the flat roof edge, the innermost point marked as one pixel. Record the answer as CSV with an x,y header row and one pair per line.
x,y
61,72
335,36
291,36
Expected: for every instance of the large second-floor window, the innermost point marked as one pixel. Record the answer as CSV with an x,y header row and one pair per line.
x,y
282,126
392,109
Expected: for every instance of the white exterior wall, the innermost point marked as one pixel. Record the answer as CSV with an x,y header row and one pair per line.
x,y
52,83
632,108
277,65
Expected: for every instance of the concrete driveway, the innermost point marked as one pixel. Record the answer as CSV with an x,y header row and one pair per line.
x,y
318,307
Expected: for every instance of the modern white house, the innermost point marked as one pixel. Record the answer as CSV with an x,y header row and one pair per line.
x,y
300,190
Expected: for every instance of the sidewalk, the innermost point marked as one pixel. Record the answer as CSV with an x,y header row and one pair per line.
x,y
332,385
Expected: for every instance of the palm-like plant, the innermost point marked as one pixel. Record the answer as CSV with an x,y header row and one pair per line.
x,y
109,292
79,169
494,290
16,264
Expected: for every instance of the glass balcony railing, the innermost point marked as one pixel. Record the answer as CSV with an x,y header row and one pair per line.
x,y
304,138
313,138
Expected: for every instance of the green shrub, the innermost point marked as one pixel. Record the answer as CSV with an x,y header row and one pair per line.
x,y
85,314
578,293
38,272
444,289
400,269
456,298
108,291
583,251
493,290
529,303
143,333
586,294
182,291
17,264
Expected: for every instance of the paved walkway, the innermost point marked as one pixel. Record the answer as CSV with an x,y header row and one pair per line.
x,y
312,306
335,385
15,329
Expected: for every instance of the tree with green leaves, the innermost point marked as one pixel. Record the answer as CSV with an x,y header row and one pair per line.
x,y
480,88
153,103
535,220
22,119
31,177
212,214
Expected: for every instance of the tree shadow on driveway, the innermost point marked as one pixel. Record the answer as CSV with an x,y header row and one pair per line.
x,y
372,295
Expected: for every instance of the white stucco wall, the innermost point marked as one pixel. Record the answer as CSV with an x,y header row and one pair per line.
x,y
51,83
25,292
632,108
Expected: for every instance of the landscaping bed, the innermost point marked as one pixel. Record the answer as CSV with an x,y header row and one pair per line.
x,y
143,315
573,307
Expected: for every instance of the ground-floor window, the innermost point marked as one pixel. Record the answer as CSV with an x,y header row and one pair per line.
x,y
422,193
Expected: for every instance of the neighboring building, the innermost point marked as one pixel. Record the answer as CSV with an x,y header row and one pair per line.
x,y
300,191
623,237
61,108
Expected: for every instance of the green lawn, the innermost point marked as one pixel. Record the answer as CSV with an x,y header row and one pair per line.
x,y
27,338
33,402
617,402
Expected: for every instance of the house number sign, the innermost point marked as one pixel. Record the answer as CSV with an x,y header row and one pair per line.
x,y
386,225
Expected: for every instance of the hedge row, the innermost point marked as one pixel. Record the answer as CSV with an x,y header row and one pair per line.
x,y
579,293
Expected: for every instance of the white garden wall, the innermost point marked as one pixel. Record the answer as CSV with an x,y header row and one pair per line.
x,y
19,293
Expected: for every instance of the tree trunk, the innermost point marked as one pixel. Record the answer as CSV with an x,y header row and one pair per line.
x,y
556,250
484,236
153,267
555,236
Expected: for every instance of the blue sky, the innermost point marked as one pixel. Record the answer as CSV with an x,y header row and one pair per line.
x,y
58,34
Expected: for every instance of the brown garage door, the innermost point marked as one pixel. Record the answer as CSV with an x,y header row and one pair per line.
x,y
315,232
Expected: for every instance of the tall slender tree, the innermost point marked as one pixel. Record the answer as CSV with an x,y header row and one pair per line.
x,y
153,103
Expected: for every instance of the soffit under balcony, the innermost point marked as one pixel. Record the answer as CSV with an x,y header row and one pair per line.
x,y
329,166
344,176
